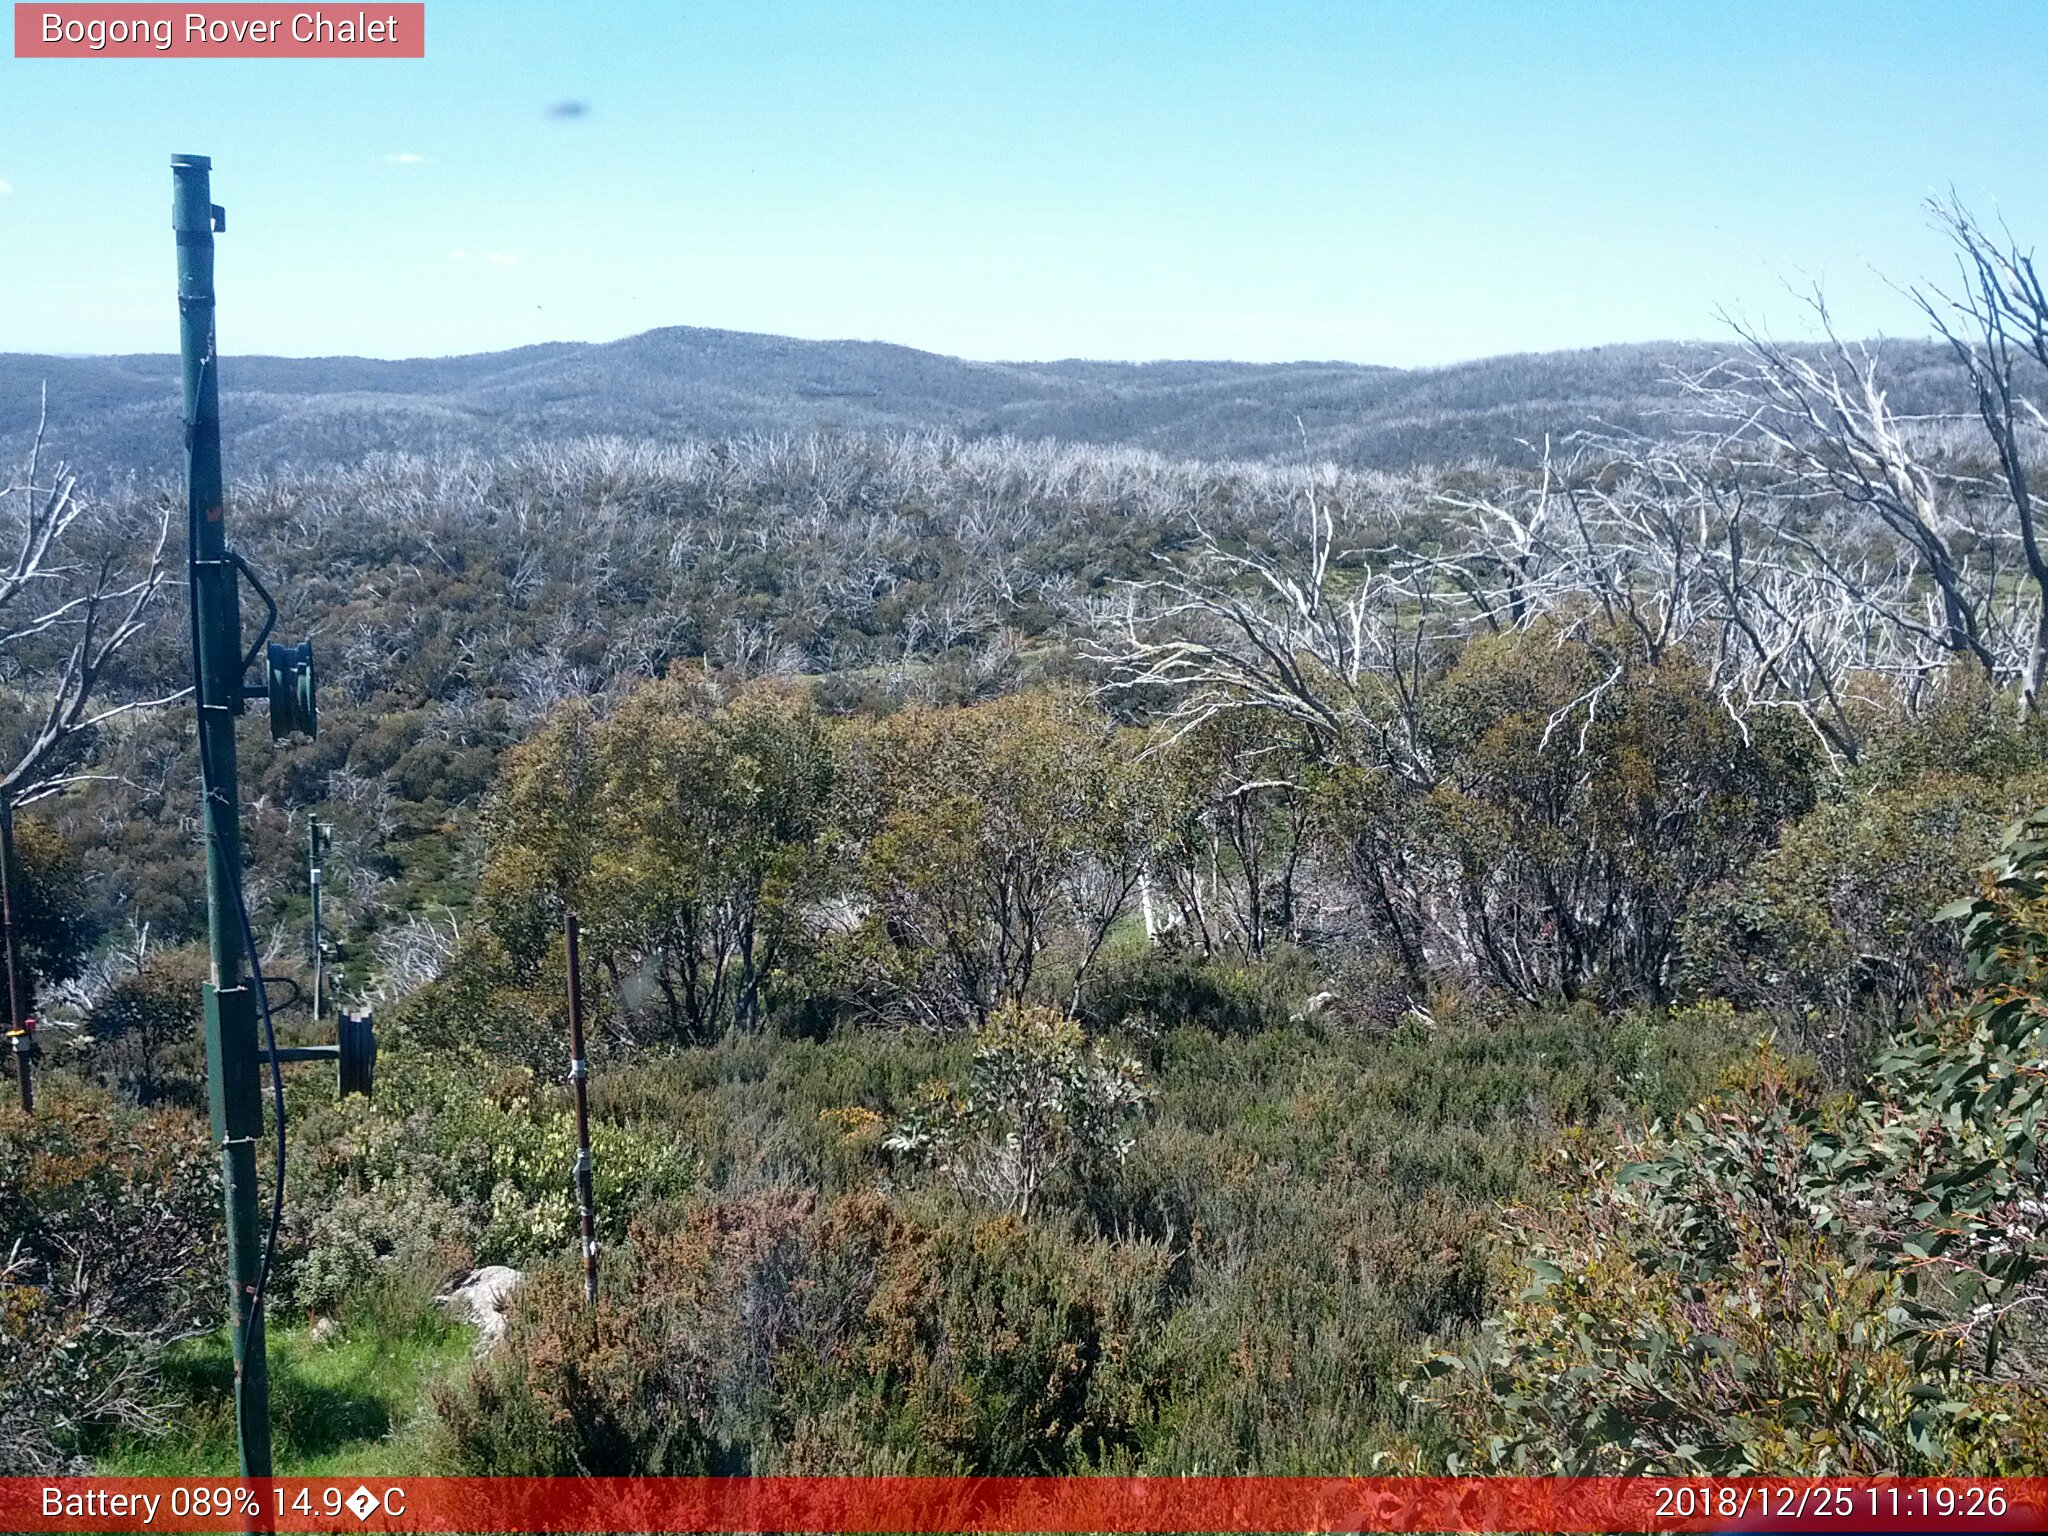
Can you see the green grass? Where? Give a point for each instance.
(354, 1404)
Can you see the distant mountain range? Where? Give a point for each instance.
(114, 415)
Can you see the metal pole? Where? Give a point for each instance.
(233, 1064)
(17, 1035)
(319, 955)
(579, 1082)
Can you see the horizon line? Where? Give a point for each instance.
(993, 362)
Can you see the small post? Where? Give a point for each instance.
(314, 838)
(579, 1081)
(20, 1034)
(23, 1038)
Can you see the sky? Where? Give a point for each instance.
(1397, 183)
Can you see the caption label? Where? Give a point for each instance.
(236, 31)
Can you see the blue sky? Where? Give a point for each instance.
(1392, 182)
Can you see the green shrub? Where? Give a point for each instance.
(486, 1002)
(1833, 932)
(347, 1242)
(1040, 1104)
(773, 1334)
(1787, 1283)
(1232, 836)
(145, 1029)
(482, 1154)
(1153, 988)
(999, 845)
(1579, 789)
(1966, 727)
(109, 1252)
(691, 831)
(55, 928)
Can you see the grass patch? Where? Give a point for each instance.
(355, 1403)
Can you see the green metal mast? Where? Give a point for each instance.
(233, 1058)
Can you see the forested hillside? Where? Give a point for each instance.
(118, 414)
(1237, 961)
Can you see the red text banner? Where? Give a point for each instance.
(1052, 1504)
(235, 31)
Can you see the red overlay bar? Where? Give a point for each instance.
(372, 30)
(1050, 1504)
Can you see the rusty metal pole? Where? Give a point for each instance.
(579, 1087)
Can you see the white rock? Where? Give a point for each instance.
(481, 1299)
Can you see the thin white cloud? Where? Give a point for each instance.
(6, 187)
(407, 157)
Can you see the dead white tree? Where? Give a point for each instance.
(77, 591)
(1996, 324)
(1787, 607)
(1321, 636)
(1817, 425)
(1512, 566)
(408, 956)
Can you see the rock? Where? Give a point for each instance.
(481, 1299)
(1316, 1005)
(323, 1329)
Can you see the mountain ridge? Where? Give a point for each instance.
(117, 414)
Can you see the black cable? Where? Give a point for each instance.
(210, 792)
(296, 1000)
